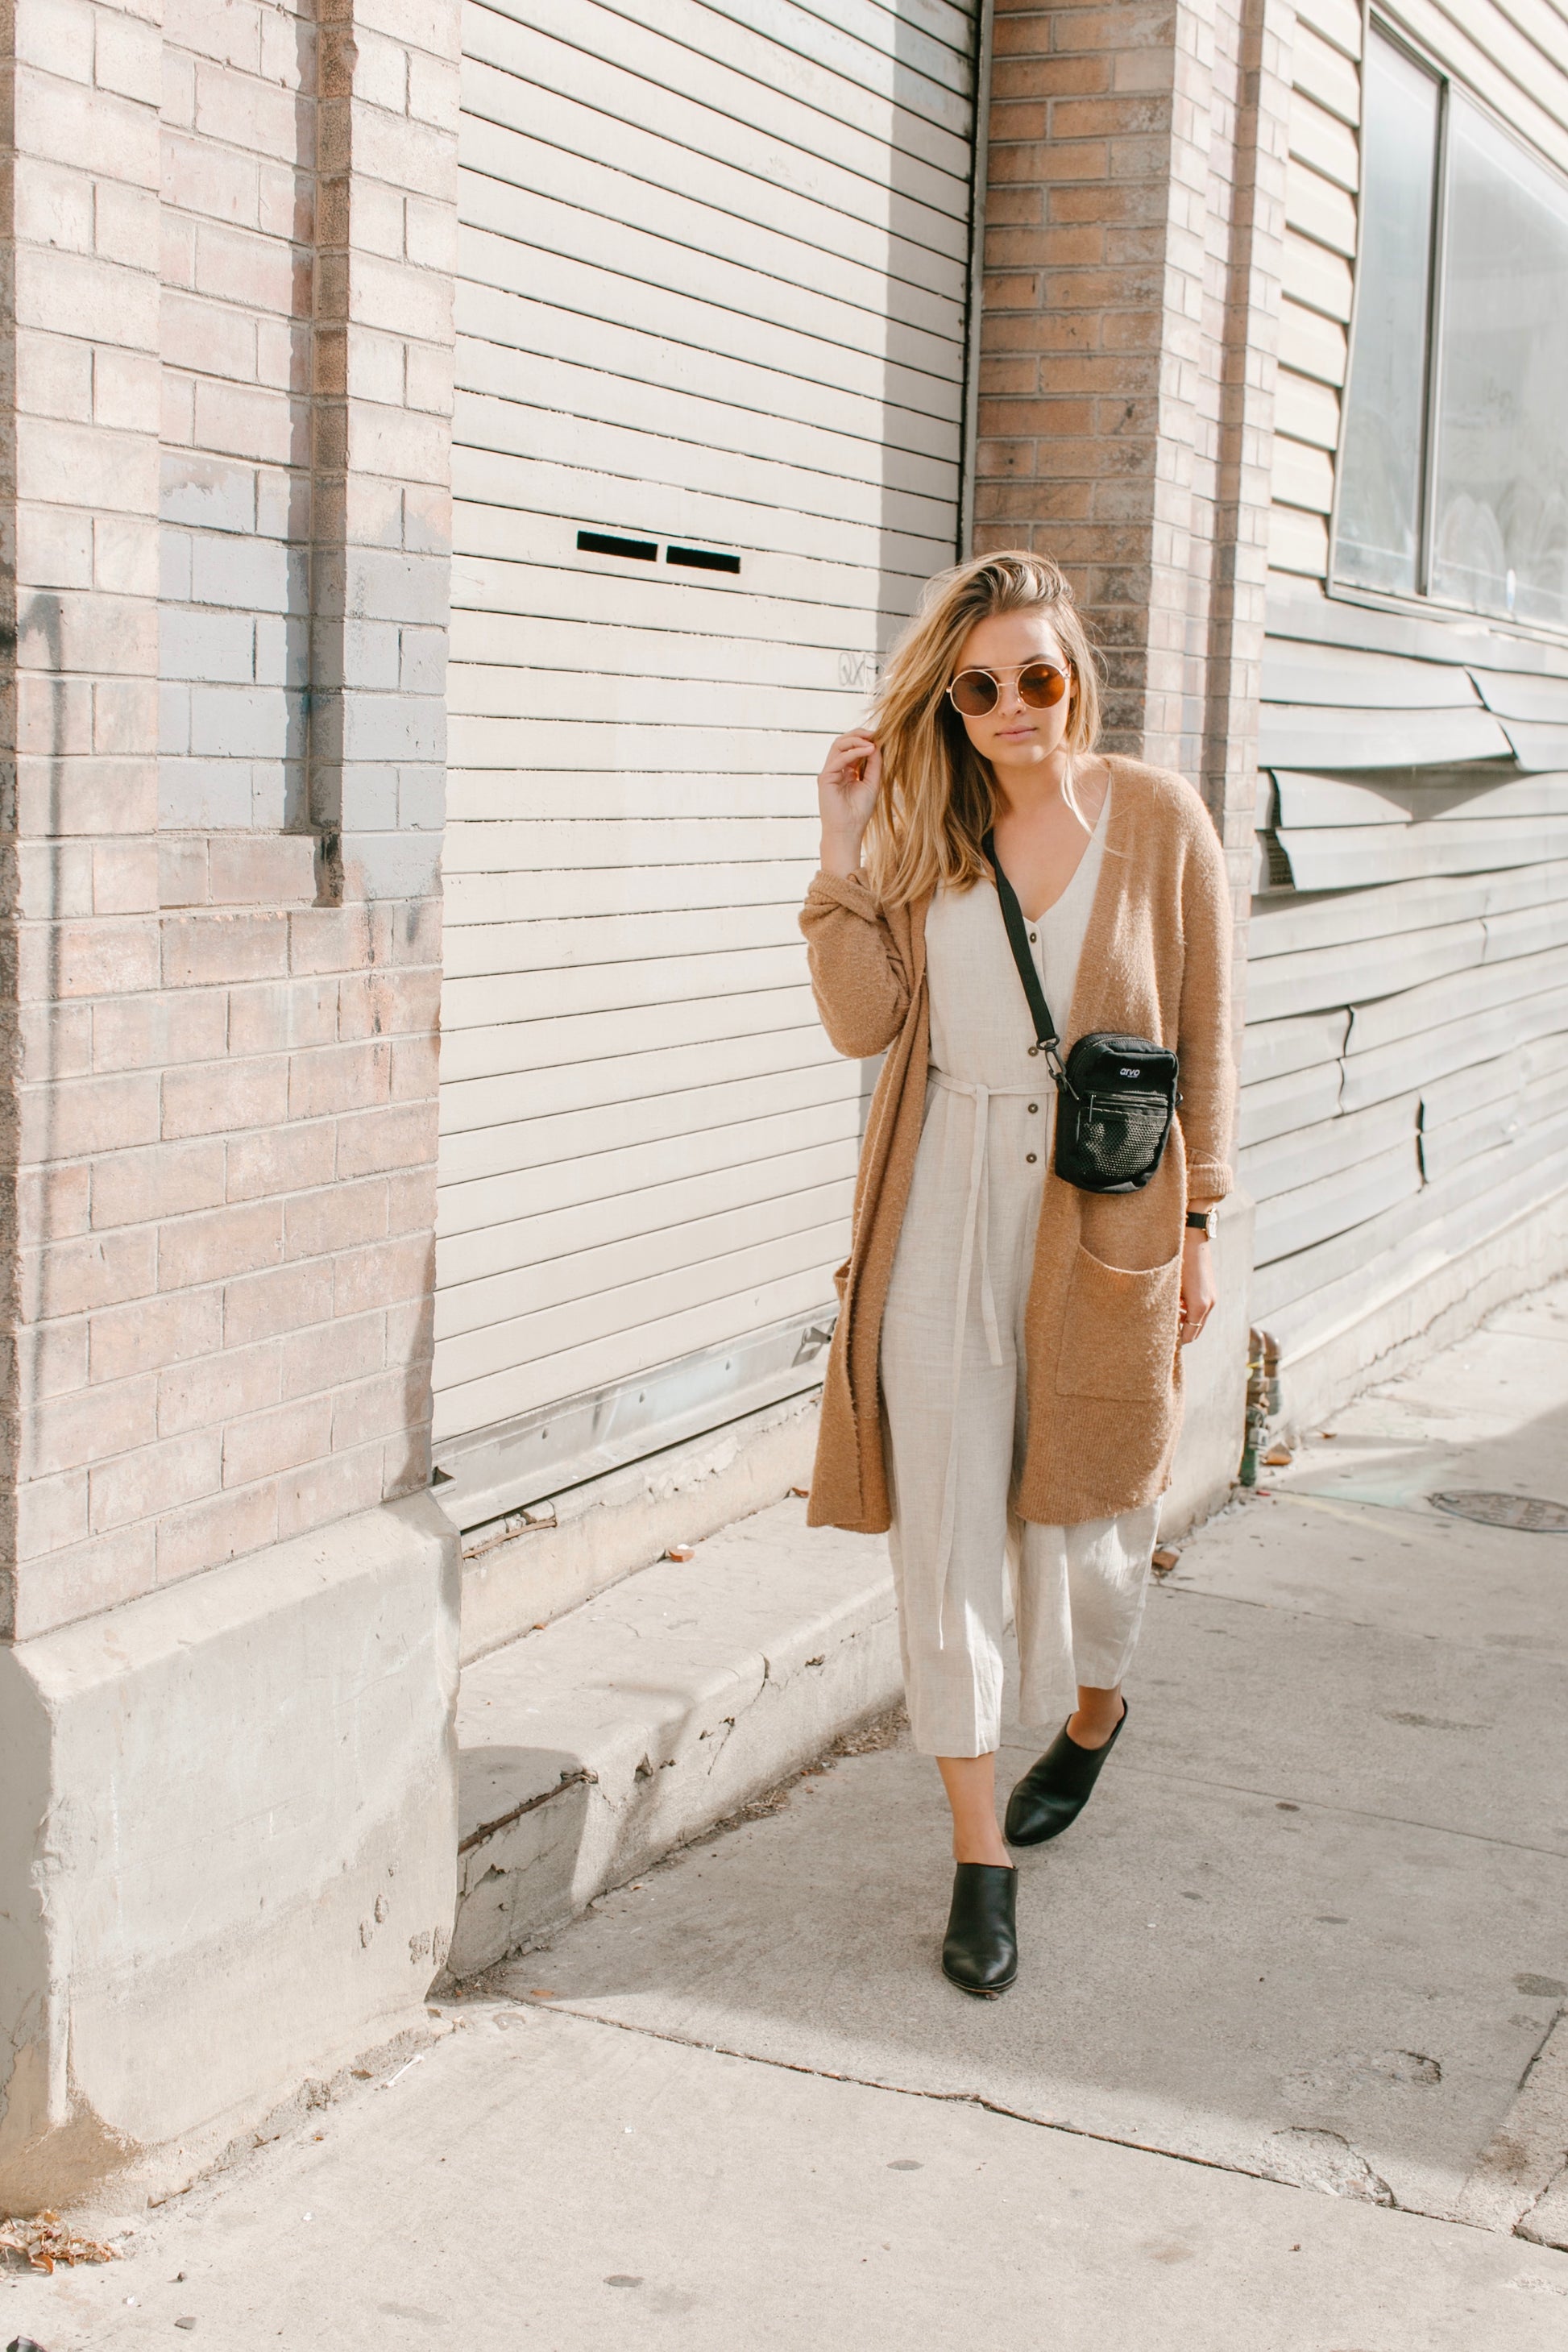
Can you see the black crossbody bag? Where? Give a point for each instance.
(1115, 1096)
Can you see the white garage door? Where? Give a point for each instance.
(712, 304)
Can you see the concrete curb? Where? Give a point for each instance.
(640, 1719)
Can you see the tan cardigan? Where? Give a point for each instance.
(1101, 1325)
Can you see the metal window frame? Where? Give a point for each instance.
(1379, 17)
(1436, 306)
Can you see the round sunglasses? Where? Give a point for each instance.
(1041, 684)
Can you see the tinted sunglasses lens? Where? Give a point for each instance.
(974, 692)
(1041, 687)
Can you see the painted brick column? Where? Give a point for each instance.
(81, 807)
(228, 1608)
(1127, 336)
(221, 1263)
(1247, 263)
(1133, 226)
(382, 534)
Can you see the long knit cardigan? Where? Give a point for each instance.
(1104, 1368)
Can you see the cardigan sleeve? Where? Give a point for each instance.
(1204, 1039)
(858, 976)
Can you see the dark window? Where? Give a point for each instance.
(702, 559)
(603, 543)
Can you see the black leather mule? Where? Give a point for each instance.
(1053, 1793)
(980, 1954)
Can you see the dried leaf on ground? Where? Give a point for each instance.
(45, 2239)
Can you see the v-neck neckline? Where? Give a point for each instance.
(1101, 823)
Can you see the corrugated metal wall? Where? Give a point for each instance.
(1406, 1076)
(712, 305)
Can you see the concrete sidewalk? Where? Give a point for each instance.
(1285, 2070)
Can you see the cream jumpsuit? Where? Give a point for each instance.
(952, 1356)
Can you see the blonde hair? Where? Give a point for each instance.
(937, 799)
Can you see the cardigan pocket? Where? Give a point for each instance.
(1120, 1331)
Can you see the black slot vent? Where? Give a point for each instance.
(603, 543)
(702, 559)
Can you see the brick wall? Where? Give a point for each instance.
(1135, 219)
(223, 1091)
(237, 235)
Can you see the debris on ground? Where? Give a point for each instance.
(1278, 1457)
(45, 2239)
(883, 1731)
(1164, 1559)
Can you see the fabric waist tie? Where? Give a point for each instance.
(976, 1225)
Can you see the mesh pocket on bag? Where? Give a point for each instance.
(1118, 1137)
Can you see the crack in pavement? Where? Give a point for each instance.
(901, 2089)
(993, 2106)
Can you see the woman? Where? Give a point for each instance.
(1005, 1374)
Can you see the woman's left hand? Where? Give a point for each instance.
(1200, 1292)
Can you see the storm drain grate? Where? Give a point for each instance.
(1530, 1512)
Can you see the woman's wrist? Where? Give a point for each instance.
(840, 855)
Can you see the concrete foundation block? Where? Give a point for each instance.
(227, 1828)
(637, 1721)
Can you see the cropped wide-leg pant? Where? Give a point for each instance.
(955, 1420)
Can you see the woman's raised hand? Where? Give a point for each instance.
(846, 791)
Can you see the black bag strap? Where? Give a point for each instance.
(1047, 1037)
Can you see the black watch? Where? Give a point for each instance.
(1202, 1220)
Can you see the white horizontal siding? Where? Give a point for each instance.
(1327, 859)
(712, 273)
(1324, 176)
(674, 1203)
(1405, 1064)
(1519, 72)
(1306, 1295)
